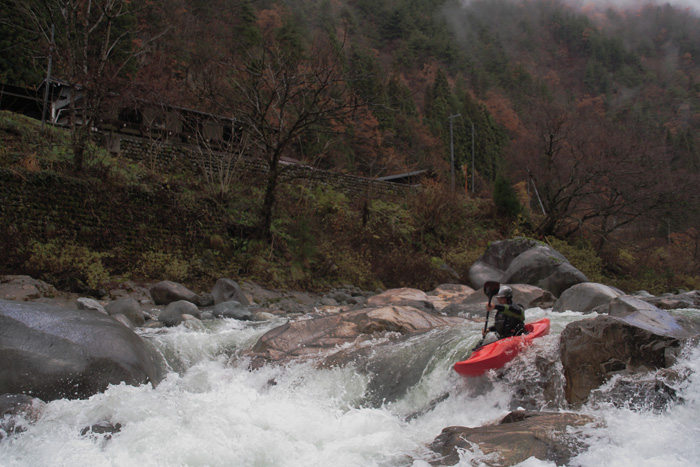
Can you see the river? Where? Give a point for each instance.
(212, 411)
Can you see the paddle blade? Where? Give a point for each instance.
(491, 288)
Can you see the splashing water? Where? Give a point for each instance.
(209, 412)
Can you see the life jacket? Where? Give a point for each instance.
(510, 321)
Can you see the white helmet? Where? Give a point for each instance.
(505, 292)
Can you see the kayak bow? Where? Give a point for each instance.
(497, 354)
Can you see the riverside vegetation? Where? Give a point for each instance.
(320, 238)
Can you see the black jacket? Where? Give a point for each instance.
(510, 320)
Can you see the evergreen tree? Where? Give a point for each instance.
(505, 198)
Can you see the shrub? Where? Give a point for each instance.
(64, 264)
(582, 256)
(505, 198)
(161, 265)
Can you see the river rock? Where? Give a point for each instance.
(637, 340)
(447, 294)
(128, 307)
(16, 410)
(520, 435)
(317, 336)
(24, 288)
(527, 295)
(166, 292)
(586, 297)
(53, 353)
(84, 303)
(496, 259)
(525, 261)
(544, 267)
(675, 301)
(226, 290)
(173, 314)
(403, 296)
(232, 309)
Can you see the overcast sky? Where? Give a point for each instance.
(692, 4)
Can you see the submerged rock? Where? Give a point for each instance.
(318, 335)
(548, 436)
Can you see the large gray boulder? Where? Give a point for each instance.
(475, 304)
(128, 307)
(525, 261)
(321, 335)
(226, 290)
(173, 314)
(166, 292)
(586, 297)
(232, 309)
(547, 436)
(52, 353)
(496, 259)
(544, 267)
(640, 338)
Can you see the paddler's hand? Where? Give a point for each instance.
(490, 306)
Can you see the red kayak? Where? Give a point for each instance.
(497, 354)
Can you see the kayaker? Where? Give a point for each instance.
(510, 317)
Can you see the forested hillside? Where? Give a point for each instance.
(589, 116)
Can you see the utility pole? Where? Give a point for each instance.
(473, 164)
(48, 80)
(452, 153)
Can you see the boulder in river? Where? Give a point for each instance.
(548, 436)
(52, 352)
(586, 297)
(322, 334)
(640, 338)
(525, 261)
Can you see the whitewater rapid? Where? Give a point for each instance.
(212, 411)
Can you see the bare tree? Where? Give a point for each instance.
(282, 95)
(220, 148)
(592, 175)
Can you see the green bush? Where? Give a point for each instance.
(64, 264)
(505, 198)
(582, 256)
(162, 266)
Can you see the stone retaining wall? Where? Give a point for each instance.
(172, 156)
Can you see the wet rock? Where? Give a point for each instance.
(594, 350)
(129, 308)
(318, 335)
(403, 296)
(586, 297)
(232, 309)
(166, 292)
(543, 267)
(226, 290)
(173, 315)
(104, 428)
(16, 410)
(515, 438)
(528, 295)
(52, 352)
(447, 294)
(84, 303)
(496, 259)
(654, 392)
